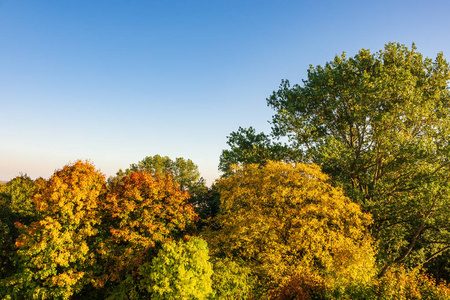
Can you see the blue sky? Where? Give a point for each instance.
(114, 81)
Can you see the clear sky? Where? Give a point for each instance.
(114, 81)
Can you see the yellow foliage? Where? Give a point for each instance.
(398, 284)
(54, 250)
(285, 219)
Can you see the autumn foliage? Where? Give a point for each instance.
(283, 232)
(300, 287)
(352, 203)
(398, 283)
(141, 212)
(55, 253)
(285, 219)
(91, 234)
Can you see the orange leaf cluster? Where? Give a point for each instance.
(141, 211)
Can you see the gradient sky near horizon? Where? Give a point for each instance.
(115, 81)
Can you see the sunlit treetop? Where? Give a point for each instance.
(283, 218)
(142, 211)
(55, 255)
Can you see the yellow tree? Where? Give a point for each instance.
(55, 257)
(287, 219)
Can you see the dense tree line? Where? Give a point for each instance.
(353, 205)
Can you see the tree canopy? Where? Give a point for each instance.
(356, 185)
(55, 253)
(284, 218)
(180, 271)
(140, 213)
(249, 147)
(15, 206)
(89, 235)
(183, 171)
(379, 124)
(15, 196)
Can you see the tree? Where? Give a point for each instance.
(140, 213)
(15, 195)
(15, 206)
(184, 172)
(232, 280)
(181, 270)
(55, 252)
(206, 205)
(401, 284)
(379, 124)
(284, 219)
(248, 147)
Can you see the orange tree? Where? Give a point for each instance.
(286, 219)
(140, 213)
(185, 173)
(54, 253)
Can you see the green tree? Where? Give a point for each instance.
(15, 206)
(15, 195)
(249, 147)
(184, 172)
(379, 124)
(181, 270)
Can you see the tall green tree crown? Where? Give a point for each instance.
(379, 124)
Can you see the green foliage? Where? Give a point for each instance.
(184, 172)
(15, 206)
(127, 289)
(207, 205)
(379, 124)
(439, 267)
(180, 271)
(248, 147)
(8, 235)
(232, 280)
(15, 196)
(86, 236)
